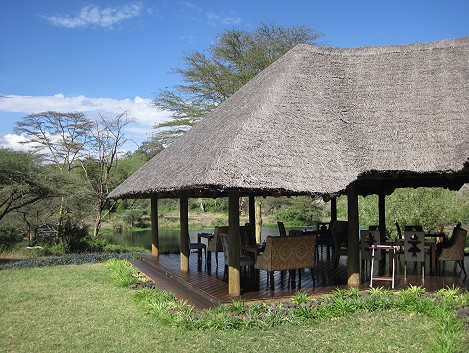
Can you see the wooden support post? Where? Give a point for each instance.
(252, 211)
(258, 226)
(234, 275)
(184, 237)
(382, 214)
(334, 209)
(155, 247)
(353, 261)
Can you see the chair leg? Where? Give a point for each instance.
(216, 257)
(312, 276)
(271, 275)
(461, 264)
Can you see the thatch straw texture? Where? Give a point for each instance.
(320, 117)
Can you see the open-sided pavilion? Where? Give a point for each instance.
(322, 121)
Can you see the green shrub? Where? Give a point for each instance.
(8, 238)
(123, 274)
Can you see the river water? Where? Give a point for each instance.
(168, 239)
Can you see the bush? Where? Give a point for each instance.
(123, 274)
(8, 238)
(73, 237)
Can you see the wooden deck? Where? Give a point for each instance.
(203, 286)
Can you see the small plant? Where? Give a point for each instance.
(300, 297)
(236, 306)
(123, 274)
(451, 296)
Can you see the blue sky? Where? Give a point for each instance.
(109, 56)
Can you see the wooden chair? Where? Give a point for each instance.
(455, 251)
(247, 235)
(414, 249)
(413, 228)
(339, 233)
(281, 229)
(324, 237)
(244, 260)
(198, 246)
(367, 239)
(287, 253)
(214, 244)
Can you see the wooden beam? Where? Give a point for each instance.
(382, 214)
(258, 207)
(234, 275)
(184, 236)
(353, 261)
(334, 209)
(155, 247)
(252, 210)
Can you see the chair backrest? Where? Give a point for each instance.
(247, 235)
(455, 252)
(323, 230)
(224, 242)
(290, 253)
(281, 229)
(339, 233)
(368, 238)
(453, 238)
(215, 243)
(413, 228)
(399, 232)
(414, 246)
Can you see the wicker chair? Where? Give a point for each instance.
(287, 253)
(455, 251)
(214, 244)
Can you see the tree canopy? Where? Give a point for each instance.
(211, 77)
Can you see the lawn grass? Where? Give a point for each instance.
(78, 309)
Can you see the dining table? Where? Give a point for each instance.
(430, 243)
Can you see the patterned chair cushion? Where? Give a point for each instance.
(288, 253)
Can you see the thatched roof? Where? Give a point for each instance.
(320, 118)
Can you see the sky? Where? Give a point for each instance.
(106, 57)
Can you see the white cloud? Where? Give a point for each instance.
(225, 20)
(13, 141)
(211, 17)
(96, 16)
(139, 110)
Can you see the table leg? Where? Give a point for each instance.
(433, 263)
(199, 251)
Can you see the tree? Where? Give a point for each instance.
(61, 137)
(23, 180)
(107, 138)
(71, 140)
(235, 58)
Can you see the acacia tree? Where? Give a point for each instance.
(107, 138)
(61, 138)
(23, 181)
(71, 140)
(234, 59)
